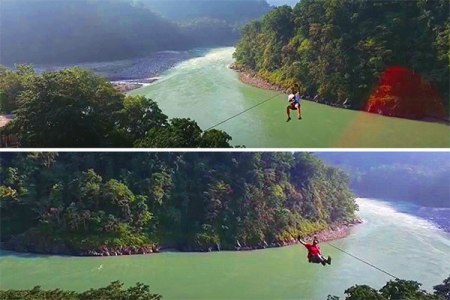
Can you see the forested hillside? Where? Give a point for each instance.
(422, 178)
(387, 57)
(80, 203)
(48, 31)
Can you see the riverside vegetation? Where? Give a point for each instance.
(127, 203)
(387, 57)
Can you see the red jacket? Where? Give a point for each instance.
(313, 250)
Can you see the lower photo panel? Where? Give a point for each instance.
(224, 225)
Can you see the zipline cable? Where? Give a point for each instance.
(240, 113)
(244, 111)
(361, 260)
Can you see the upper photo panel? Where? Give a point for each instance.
(224, 73)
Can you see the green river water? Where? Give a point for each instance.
(207, 91)
(402, 244)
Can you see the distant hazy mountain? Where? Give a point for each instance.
(209, 22)
(423, 178)
(57, 31)
(232, 11)
(41, 31)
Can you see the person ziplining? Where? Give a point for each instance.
(314, 254)
(294, 103)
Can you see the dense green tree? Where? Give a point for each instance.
(214, 138)
(139, 115)
(114, 290)
(404, 289)
(184, 133)
(394, 289)
(76, 108)
(443, 290)
(359, 292)
(11, 85)
(70, 107)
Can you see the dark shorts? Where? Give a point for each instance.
(314, 259)
(294, 105)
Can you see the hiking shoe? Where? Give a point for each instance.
(329, 260)
(288, 119)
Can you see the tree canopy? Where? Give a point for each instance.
(114, 290)
(394, 289)
(397, 289)
(77, 203)
(76, 108)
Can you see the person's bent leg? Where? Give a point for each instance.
(322, 259)
(288, 112)
(316, 259)
(299, 112)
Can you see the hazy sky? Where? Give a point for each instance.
(283, 2)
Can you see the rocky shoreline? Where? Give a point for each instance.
(129, 85)
(129, 74)
(252, 78)
(336, 231)
(131, 250)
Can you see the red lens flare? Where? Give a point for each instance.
(401, 92)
